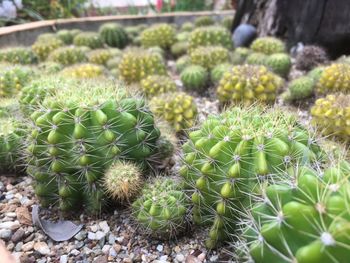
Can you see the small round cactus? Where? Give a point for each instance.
(316, 73)
(50, 67)
(18, 55)
(42, 49)
(210, 36)
(256, 59)
(300, 88)
(68, 55)
(114, 35)
(88, 39)
(204, 21)
(100, 56)
(279, 63)
(46, 37)
(162, 35)
(248, 83)
(227, 22)
(67, 36)
(182, 36)
(161, 209)
(239, 55)
(194, 77)
(311, 57)
(218, 71)
(182, 63)
(209, 57)
(82, 71)
(268, 45)
(179, 48)
(334, 78)
(13, 78)
(187, 27)
(157, 84)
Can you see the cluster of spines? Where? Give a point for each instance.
(334, 78)
(157, 84)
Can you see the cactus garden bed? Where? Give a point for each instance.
(170, 144)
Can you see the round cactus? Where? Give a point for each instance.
(210, 36)
(231, 155)
(113, 62)
(179, 109)
(182, 63)
(138, 64)
(332, 115)
(157, 50)
(114, 35)
(268, 45)
(182, 36)
(227, 22)
(209, 57)
(256, 59)
(50, 67)
(12, 79)
(8, 107)
(42, 49)
(101, 56)
(17, 55)
(88, 39)
(334, 78)
(302, 221)
(161, 209)
(179, 48)
(300, 88)
(204, 21)
(310, 57)
(68, 55)
(86, 70)
(156, 84)
(187, 27)
(247, 84)
(162, 35)
(218, 71)
(239, 55)
(46, 37)
(279, 63)
(316, 73)
(194, 77)
(123, 181)
(67, 36)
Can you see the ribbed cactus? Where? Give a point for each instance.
(210, 36)
(334, 78)
(179, 48)
(77, 133)
(194, 77)
(137, 64)
(157, 84)
(161, 209)
(268, 45)
(68, 55)
(88, 39)
(17, 55)
(67, 36)
(304, 221)
(182, 63)
(248, 83)
(231, 155)
(332, 115)
(162, 35)
(256, 58)
(101, 56)
(13, 78)
(310, 57)
(204, 21)
(239, 55)
(179, 109)
(218, 71)
(299, 89)
(209, 57)
(85, 70)
(42, 49)
(279, 63)
(114, 35)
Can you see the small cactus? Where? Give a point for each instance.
(204, 21)
(101, 56)
(162, 35)
(12, 79)
(334, 78)
(239, 55)
(68, 55)
(18, 55)
(50, 67)
(209, 57)
(279, 63)
(85, 70)
(179, 48)
(157, 84)
(268, 45)
(187, 27)
(256, 59)
(42, 49)
(182, 63)
(194, 77)
(311, 57)
(227, 22)
(210, 36)
(67, 36)
(88, 39)
(218, 71)
(299, 89)
(114, 35)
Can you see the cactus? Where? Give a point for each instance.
(42, 49)
(114, 35)
(85, 70)
(302, 221)
(209, 57)
(123, 181)
(46, 37)
(227, 22)
(182, 36)
(316, 73)
(218, 71)
(50, 67)
(299, 89)
(138, 64)
(334, 78)
(178, 108)
(67, 36)
(88, 39)
(8, 107)
(113, 62)
(157, 50)
(311, 57)
(77, 133)
(231, 155)
(179, 48)
(279, 63)
(162, 35)
(101, 56)
(332, 115)
(256, 59)
(68, 55)
(187, 27)
(239, 55)
(204, 21)
(17, 55)
(182, 63)
(268, 45)
(161, 209)
(210, 36)
(194, 77)
(247, 84)
(156, 84)
(12, 79)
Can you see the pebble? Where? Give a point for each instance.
(18, 246)
(105, 249)
(94, 228)
(214, 258)
(5, 234)
(160, 248)
(100, 235)
(28, 246)
(75, 252)
(100, 259)
(81, 235)
(104, 227)
(180, 257)
(18, 235)
(63, 259)
(91, 236)
(42, 248)
(9, 196)
(10, 225)
(117, 248)
(25, 201)
(112, 252)
(111, 239)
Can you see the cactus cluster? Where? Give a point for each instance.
(68, 55)
(177, 108)
(231, 155)
(194, 77)
(161, 209)
(18, 55)
(268, 45)
(248, 83)
(157, 84)
(162, 35)
(88, 39)
(114, 35)
(42, 49)
(210, 36)
(334, 78)
(85, 70)
(209, 57)
(13, 78)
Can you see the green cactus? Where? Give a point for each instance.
(77, 133)
(210, 36)
(268, 45)
(42, 49)
(204, 21)
(299, 89)
(182, 36)
(83, 71)
(302, 221)
(8, 107)
(194, 77)
(67, 36)
(101, 56)
(50, 67)
(68, 55)
(334, 78)
(279, 63)
(179, 48)
(161, 209)
(46, 37)
(187, 27)
(138, 64)
(177, 108)
(256, 59)
(18, 55)
(157, 84)
(248, 83)
(113, 63)
(218, 71)
(13, 78)
(209, 57)
(88, 39)
(114, 35)
(316, 73)
(162, 35)
(232, 155)
(182, 63)
(239, 55)
(157, 50)
(227, 22)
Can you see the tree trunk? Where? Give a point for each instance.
(322, 22)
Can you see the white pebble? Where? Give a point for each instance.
(63, 259)
(104, 226)
(160, 248)
(10, 225)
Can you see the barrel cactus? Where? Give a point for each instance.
(256, 58)
(209, 57)
(85, 70)
(299, 89)
(334, 78)
(194, 77)
(67, 36)
(204, 21)
(161, 209)
(231, 155)
(210, 36)
(227, 22)
(279, 63)
(99, 56)
(182, 63)
(88, 39)
(68, 55)
(248, 83)
(157, 84)
(49, 67)
(187, 27)
(179, 48)
(268, 45)
(239, 55)
(42, 49)
(17, 55)
(13, 78)
(162, 35)
(218, 71)
(114, 35)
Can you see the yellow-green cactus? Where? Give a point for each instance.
(42, 49)
(210, 36)
(334, 78)
(88, 39)
(86, 70)
(18, 55)
(209, 57)
(68, 55)
(101, 56)
(268, 45)
(162, 35)
(157, 84)
(12, 79)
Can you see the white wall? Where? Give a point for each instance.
(121, 3)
